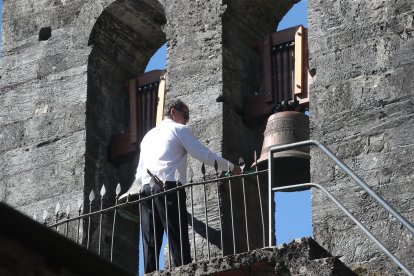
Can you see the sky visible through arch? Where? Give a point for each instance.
(293, 210)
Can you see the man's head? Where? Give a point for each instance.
(177, 111)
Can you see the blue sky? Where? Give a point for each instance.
(293, 211)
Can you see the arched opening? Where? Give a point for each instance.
(246, 26)
(123, 39)
(293, 209)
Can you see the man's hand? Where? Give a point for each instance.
(236, 170)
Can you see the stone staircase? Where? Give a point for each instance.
(300, 257)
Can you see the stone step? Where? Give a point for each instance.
(300, 257)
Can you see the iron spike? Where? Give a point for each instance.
(241, 164)
(190, 174)
(57, 208)
(91, 196)
(203, 169)
(44, 217)
(177, 176)
(118, 189)
(103, 191)
(216, 166)
(79, 205)
(67, 210)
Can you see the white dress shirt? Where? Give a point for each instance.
(164, 151)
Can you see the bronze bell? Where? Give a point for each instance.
(290, 166)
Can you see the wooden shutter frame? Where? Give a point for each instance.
(125, 145)
(261, 105)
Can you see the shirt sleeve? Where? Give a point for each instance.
(200, 152)
(139, 173)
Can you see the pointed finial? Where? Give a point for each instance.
(203, 171)
(103, 191)
(216, 168)
(79, 205)
(190, 174)
(177, 176)
(44, 217)
(57, 208)
(67, 210)
(241, 164)
(118, 189)
(91, 196)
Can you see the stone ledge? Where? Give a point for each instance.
(300, 257)
(28, 247)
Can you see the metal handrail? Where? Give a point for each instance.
(349, 172)
(357, 222)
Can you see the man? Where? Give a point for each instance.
(164, 152)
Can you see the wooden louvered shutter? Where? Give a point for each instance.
(285, 68)
(147, 98)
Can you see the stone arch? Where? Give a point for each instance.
(122, 41)
(245, 25)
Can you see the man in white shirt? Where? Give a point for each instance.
(163, 152)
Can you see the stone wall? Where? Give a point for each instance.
(29, 248)
(62, 99)
(43, 103)
(362, 97)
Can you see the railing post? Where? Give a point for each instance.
(270, 198)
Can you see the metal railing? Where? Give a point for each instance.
(83, 223)
(356, 178)
(238, 222)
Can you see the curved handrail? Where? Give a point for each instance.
(346, 169)
(357, 222)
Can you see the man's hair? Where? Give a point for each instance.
(174, 103)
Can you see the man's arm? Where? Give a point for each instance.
(200, 152)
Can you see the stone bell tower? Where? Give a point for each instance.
(63, 65)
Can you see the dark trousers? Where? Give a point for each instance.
(156, 219)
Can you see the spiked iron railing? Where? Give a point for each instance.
(63, 221)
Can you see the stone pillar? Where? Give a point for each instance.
(43, 101)
(212, 65)
(361, 55)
